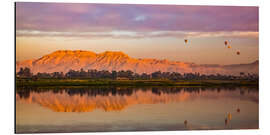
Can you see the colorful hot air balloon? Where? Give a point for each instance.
(229, 46)
(238, 53)
(185, 41)
(226, 42)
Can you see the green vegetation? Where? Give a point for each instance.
(129, 78)
(20, 82)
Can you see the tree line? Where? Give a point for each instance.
(129, 75)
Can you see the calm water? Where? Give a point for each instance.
(135, 109)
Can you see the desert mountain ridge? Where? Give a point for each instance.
(64, 60)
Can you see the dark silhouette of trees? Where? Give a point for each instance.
(58, 75)
(104, 74)
(43, 75)
(114, 74)
(24, 72)
(157, 75)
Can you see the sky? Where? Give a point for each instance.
(140, 31)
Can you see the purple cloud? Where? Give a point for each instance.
(61, 17)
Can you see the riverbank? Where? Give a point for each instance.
(108, 82)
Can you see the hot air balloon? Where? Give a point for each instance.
(238, 53)
(225, 42)
(238, 110)
(229, 46)
(186, 41)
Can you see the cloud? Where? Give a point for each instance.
(140, 18)
(124, 17)
(137, 35)
(240, 34)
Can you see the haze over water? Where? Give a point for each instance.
(135, 109)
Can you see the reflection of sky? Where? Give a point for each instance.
(156, 29)
(144, 110)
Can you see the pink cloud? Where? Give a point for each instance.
(73, 17)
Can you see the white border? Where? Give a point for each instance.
(7, 62)
(166, 2)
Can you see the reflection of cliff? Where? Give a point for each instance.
(64, 102)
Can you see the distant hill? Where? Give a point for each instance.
(64, 60)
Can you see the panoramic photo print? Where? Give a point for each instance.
(85, 67)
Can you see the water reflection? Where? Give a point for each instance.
(88, 99)
(86, 109)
